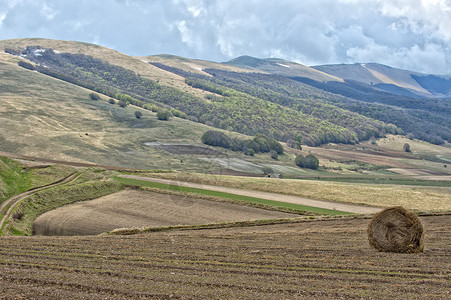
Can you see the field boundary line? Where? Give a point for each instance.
(328, 205)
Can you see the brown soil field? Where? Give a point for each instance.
(417, 172)
(188, 149)
(313, 260)
(133, 208)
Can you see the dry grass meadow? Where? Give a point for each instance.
(139, 65)
(411, 197)
(53, 119)
(313, 260)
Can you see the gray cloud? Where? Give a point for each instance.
(411, 34)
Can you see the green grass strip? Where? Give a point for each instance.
(173, 187)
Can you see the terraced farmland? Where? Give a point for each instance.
(318, 259)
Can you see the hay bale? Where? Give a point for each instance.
(396, 229)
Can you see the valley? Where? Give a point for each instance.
(167, 177)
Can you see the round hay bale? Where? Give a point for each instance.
(396, 229)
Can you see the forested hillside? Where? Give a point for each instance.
(232, 109)
(255, 103)
(427, 119)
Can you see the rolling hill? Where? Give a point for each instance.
(387, 78)
(46, 104)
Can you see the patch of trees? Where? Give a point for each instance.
(164, 115)
(258, 144)
(285, 92)
(13, 51)
(26, 65)
(309, 161)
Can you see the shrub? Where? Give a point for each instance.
(298, 140)
(112, 101)
(138, 114)
(164, 115)
(267, 170)
(262, 143)
(300, 161)
(274, 154)
(12, 51)
(310, 161)
(276, 146)
(298, 146)
(250, 152)
(178, 114)
(291, 143)
(406, 147)
(94, 96)
(193, 118)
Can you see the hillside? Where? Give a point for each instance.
(52, 115)
(51, 118)
(226, 112)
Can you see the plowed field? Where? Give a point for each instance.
(132, 208)
(313, 260)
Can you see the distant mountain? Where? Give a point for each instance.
(393, 80)
(281, 67)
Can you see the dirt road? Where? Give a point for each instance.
(352, 208)
(12, 202)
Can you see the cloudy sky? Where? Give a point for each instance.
(409, 34)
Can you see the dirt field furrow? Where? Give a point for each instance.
(318, 259)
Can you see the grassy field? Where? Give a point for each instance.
(16, 178)
(12, 180)
(239, 198)
(321, 260)
(417, 147)
(411, 197)
(134, 208)
(390, 180)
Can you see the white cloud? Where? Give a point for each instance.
(48, 11)
(187, 35)
(412, 34)
(2, 18)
